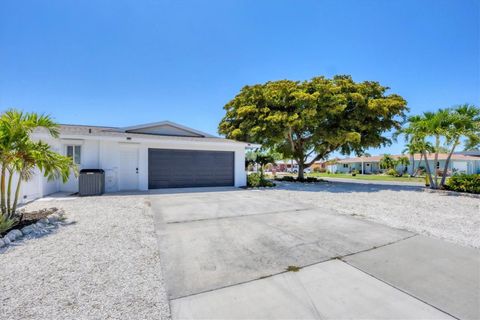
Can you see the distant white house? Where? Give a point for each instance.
(148, 156)
(460, 163)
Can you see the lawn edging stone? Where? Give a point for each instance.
(37, 229)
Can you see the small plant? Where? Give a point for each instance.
(354, 172)
(464, 183)
(6, 223)
(293, 268)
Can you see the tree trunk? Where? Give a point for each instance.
(437, 145)
(429, 173)
(9, 190)
(17, 193)
(2, 191)
(419, 164)
(412, 158)
(444, 175)
(301, 166)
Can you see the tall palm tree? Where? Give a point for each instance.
(20, 155)
(464, 123)
(437, 125)
(417, 131)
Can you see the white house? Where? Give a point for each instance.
(143, 157)
(459, 163)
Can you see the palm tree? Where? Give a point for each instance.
(417, 130)
(387, 162)
(437, 125)
(417, 147)
(412, 149)
(20, 155)
(404, 162)
(464, 123)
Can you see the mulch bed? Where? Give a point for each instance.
(29, 218)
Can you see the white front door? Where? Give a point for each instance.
(128, 173)
(368, 168)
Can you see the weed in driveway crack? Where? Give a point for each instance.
(293, 268)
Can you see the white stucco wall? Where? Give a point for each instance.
(104, 153)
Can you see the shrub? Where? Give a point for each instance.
(287, 178)
(319, 170)
(354, 172)
(392, 172)
(464, 183)
(293, 179)
(254, 180)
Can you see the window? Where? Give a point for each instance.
(75, 152)
(345, 165)
(438, 164)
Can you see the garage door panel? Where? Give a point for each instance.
(169, 168)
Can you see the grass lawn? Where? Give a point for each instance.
(377, 177)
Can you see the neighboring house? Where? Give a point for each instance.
(142, 157)
(284, 165)
(458, 163)
(324, 164)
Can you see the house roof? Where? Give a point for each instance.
(166, 123)
(441, 156)
(84, 130)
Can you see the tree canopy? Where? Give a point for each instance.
(307, 120)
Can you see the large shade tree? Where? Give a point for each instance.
(308, 120)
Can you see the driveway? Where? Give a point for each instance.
(225, 254)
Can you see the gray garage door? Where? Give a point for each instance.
(169, 168)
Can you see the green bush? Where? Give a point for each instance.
(392, 172)
(319, 170)
(354, 172)
(254, 180)
(464, 183)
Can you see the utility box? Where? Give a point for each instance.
(91, 182)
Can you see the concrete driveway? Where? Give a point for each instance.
(226, 252)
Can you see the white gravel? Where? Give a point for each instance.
(105, 265)
(452, 218)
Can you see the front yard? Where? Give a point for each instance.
(103, 265)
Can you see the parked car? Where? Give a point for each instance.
(294, 169)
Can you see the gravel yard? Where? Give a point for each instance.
(453, 218)
(105, 265)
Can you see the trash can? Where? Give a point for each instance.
(91, 182)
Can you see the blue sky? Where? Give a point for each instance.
(125, 62)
